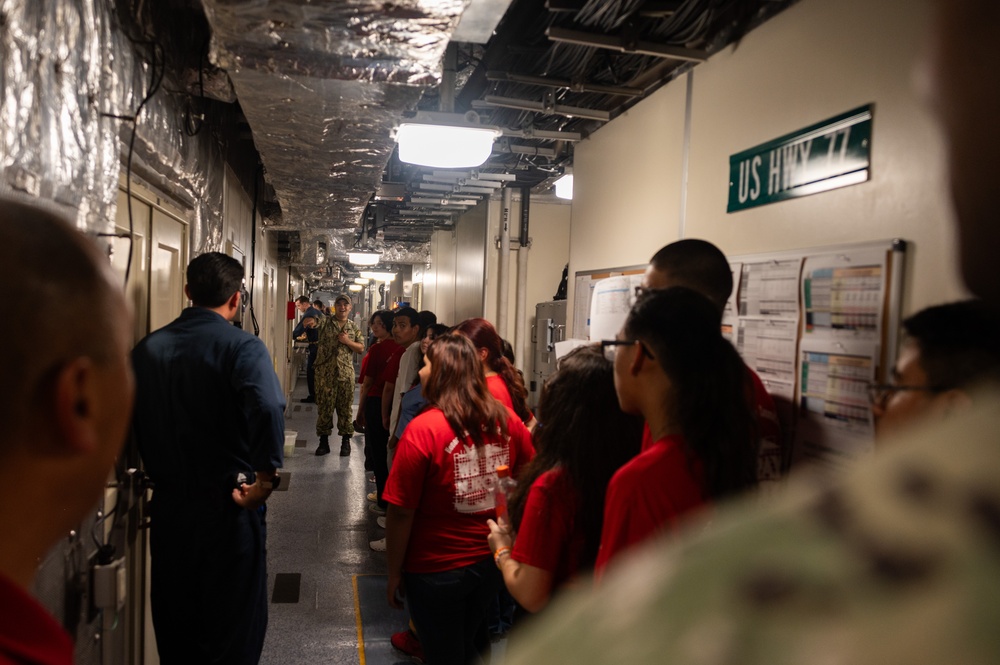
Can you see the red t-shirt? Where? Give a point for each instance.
(377, 359)
(769, 457)
(649, 494)
(364, 367)
(28, 633)
(549, 536)
(447, 482)
(391, 369)
(499, 390)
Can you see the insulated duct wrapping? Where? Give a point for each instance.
(338, 242)
(323, 85)
(58, 76)
(68, 67)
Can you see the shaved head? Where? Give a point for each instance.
(44, 259)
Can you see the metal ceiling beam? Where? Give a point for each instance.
(542, 134)
(575, 86)
(615, 43)
(493, 184)
(543, 107)
(457, 188)
(443, 202)
(506, 177)
(525, 150)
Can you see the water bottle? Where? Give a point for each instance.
(501, 491)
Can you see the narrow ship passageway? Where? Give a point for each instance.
(327, 587)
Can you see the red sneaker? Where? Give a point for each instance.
(409, 644)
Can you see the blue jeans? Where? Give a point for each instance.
(449, 611)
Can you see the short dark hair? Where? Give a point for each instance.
(213, 278)
(699, 265)
(318, 302)
(958, 343)
(409, 313)
(304, 299)
(426, 319)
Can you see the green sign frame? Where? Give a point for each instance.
(830, 154)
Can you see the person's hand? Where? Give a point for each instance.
(395, 592)
(253, 496)
(360, 420)
(499, 535)
(343, 338)
(301, 338)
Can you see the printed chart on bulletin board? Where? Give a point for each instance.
(816, 325)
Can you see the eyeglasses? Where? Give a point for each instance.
(610, 347)
(879, 393)
(637, 293)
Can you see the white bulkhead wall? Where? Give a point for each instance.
(817, 59)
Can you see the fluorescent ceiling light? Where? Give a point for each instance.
(354, 287)
(363, 281)
(360, 258)
(445, 140)
(564, 186)
(379, 276)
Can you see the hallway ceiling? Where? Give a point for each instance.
(323, 85)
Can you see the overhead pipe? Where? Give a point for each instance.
(521, 302)
(503, 269)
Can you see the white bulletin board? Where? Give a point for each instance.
(817, 325)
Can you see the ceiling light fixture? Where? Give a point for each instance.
(363, 281)
(379, 276)
(445, 140)
(354, 287)
(363, 258)
(564, 187)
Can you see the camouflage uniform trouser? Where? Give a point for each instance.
(334, 394)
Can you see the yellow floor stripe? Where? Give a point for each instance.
(357, 620)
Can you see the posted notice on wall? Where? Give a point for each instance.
(764, 315)
(611, 299)
(843, 298)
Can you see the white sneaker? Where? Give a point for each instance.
(377, 545)
(381, 522)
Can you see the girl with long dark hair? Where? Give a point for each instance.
(439, 496)
(674, 367)
(558, 507)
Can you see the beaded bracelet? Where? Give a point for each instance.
(500, 552)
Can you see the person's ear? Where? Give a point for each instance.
(187, 291)
(75, 402)
(234, 300)
(637, 360)
(483, 354)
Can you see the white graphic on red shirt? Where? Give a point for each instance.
(476, 475)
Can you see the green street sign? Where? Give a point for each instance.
(824, 156)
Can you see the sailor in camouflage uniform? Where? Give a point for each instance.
(339, 339)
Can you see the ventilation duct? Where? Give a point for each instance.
(323, 85)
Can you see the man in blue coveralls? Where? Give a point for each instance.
(311, 334)
(209, 422)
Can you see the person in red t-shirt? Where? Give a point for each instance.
(700, 265)
(370, 403)
(674, 367)
(439, 497)
(504, 380)
(558, 507)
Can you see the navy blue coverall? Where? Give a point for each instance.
(208, 407)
